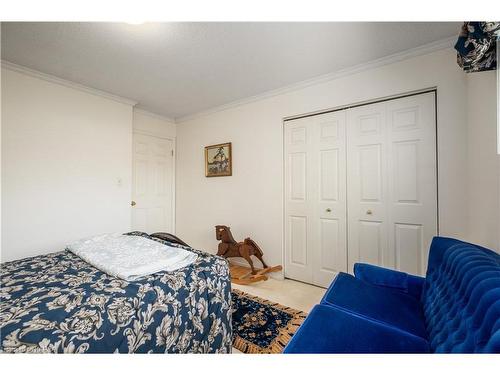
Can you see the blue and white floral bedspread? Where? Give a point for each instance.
(60, 303)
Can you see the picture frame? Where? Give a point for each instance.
(218, 160)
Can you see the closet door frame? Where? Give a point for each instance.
(346, 107)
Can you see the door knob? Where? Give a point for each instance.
(328, 210)
(133, 203)
(369, 212)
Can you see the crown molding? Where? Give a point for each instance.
(391, 59)
(154, 115)
(53, 79)
(400, 56)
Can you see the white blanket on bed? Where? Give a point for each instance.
(130, 257)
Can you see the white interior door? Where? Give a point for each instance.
(152, 184)
(392, 182)
(315, 198)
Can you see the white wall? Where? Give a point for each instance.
(251, 201)
(483, 161)
(66, 165)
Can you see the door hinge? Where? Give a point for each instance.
(172, 152)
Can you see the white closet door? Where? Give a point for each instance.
(367, 194)
(391, 178)
(299, 211)
(330, 219)
(412, 181)
(315, 198)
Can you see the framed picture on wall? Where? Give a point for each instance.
(218, 160)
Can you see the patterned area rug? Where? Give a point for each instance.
(261, 326)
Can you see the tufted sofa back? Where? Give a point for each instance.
(461, 298)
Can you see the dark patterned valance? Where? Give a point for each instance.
(476, 46)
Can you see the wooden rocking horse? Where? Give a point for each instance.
(230, 248)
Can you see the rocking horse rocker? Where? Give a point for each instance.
(229, 248)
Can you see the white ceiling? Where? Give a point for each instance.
(178, 69)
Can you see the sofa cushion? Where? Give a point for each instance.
(328, 329)
(388, 278)
(461, 298)
(375, 302)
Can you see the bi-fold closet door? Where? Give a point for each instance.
(315, 196)
(361, 186)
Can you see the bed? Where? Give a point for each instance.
(58, 303)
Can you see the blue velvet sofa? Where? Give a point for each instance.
(454, 309)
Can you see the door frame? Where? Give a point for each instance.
(174, 158)
(284, 120)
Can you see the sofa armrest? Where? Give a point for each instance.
(384, 277)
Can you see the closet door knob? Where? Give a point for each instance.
(369, 212)
(328, 210)
(133, 203)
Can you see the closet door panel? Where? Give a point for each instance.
(409, 248)
(366, 184)
(370, 241)
(369, 158)
(392, 183)
(315, 198)
(330, 252)
(329, 179)
(411, 142)
(405, 171)
(297, 161)
(298, 240)
(299, 214)
(330, 255)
